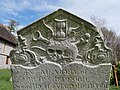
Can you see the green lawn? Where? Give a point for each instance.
(5, 84)
(114, 88)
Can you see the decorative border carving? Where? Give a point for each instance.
(62, 46)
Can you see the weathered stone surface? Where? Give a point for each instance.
(51, 76)
(62, 44)
(61, 52)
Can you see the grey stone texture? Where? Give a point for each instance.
(51, 76)
(61, 52)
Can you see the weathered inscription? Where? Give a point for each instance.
(48, 76)
(61, 52)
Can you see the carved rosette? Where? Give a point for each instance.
(100, 53)
(97, 56)
(22, 55)
(61, 44)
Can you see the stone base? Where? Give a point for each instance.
(51, 76)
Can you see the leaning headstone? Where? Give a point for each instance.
(60, 52)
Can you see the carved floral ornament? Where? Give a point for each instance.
(62, 47)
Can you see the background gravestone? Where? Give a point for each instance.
(60, 52)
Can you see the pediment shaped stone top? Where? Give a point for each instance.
(58, 13)
(58, 38)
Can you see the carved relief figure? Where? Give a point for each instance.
(62, 46)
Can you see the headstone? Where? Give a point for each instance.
(60, 52)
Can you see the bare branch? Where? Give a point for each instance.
(113, 41)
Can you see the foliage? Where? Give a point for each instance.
(13, 25)
(118, 73)
(112, 81)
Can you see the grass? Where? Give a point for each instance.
(114, 88)
(6, 84)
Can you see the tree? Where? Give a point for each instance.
(13, 25)
(113, 41)
(99, 22)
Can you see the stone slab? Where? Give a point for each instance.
(61, 52)
(51, 76)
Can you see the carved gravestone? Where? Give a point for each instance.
(60, 52)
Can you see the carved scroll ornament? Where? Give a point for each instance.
(62, 46)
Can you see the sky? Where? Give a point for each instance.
(28, 11)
